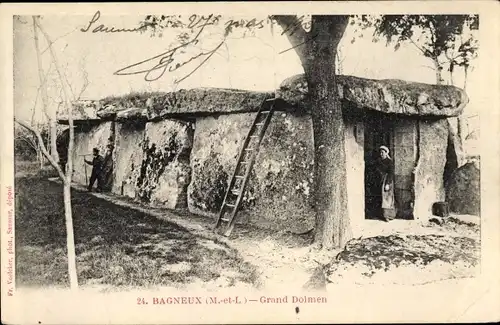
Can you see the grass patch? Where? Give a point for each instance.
(115, 245)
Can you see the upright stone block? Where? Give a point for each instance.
(280, 184)
(128, 157)
(429, 187)
(164, 173)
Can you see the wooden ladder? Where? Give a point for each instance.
(244, 164)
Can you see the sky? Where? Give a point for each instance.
(251, 62)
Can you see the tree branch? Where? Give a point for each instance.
(68, 104)
(41, 75)
(42, 147)
(428, 66)
(58, 38)
(39, 90)
(296, 34)
(28, 141)
(85, 84)
(424, 52)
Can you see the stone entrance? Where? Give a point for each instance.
(379, 131)
(399, 135)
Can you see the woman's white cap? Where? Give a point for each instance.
(384, 148)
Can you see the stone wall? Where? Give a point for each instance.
(429, 187)
(176, 164)
(87, 138)
(279, 187)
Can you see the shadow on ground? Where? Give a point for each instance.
(115, 245)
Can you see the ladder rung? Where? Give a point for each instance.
(240, 191)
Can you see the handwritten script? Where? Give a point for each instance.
(104, 29)
(156, 66)
(164, 62)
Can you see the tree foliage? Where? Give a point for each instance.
(448, 40)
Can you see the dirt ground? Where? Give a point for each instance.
(126, 237)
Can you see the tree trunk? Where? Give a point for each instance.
(70, 239)
(53, 138)
(439, 69)
(40, 156)
(70, 242)
(458, 121)
(462, 123)
(317, 50)
(466, 70)
(329, 157)
(338, 62)
(330, 194)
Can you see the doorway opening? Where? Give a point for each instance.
(379, 131)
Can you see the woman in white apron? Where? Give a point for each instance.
(385, 167)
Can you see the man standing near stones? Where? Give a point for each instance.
(97, 164)
(107, 169)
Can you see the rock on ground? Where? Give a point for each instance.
(406, 259)
(463, 190)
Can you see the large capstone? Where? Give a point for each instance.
(387, 96)
(205, 100)
(83, 110)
